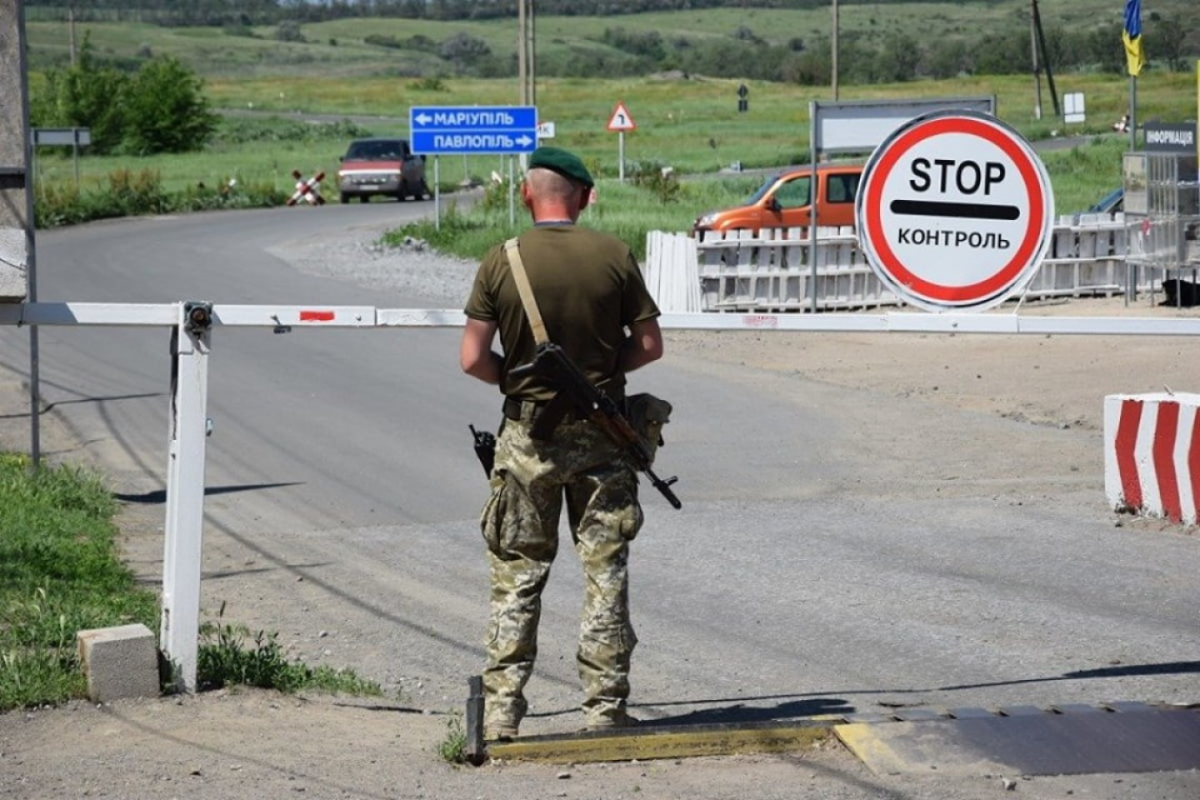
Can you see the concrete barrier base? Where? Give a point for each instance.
(119, 662)
(1152, 454)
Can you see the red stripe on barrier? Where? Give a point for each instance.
(1163, 450)
(1193, 462)
(1127, 429)
(316, 316)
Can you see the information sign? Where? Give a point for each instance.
(470, 130)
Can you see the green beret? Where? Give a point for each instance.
(563, 162)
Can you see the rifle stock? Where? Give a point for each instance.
(551, 362)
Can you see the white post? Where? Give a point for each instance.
(437, 193)
(185, 492)
(621, 156)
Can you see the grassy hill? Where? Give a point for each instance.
(688, 121)
(340, 48)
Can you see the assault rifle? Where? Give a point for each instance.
(577, 392)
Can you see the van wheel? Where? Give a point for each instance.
(345, 197)
(363, 198)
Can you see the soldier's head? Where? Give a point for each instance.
(557, 183)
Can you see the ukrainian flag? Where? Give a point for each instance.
(1132, 36)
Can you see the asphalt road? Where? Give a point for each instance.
(811, 570)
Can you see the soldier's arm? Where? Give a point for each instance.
(644, 345)
(475, 354)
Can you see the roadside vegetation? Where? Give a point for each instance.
(61, 572)
(453, 748)
(649, 201)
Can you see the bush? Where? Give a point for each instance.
(289, 31)
(166, 111)
(657, 178)
(160, 109)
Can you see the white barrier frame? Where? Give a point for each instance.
(191, 326)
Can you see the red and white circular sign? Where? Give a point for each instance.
(955, 211)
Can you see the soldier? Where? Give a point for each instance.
(594, 304)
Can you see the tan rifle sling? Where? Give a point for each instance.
(526, 291)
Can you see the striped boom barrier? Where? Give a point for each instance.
(1152, 455)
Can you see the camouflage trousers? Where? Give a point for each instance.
(520, 521)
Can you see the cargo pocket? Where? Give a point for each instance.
(491, 520)
(647, 415)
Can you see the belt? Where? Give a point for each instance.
(516, 409)
(513, 408)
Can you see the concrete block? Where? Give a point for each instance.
(1152, 454)
(119, 662)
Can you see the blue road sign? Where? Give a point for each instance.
(470, 130)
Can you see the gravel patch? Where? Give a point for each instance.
(413, 270)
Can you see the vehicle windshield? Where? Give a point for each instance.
(374, 151)
(762, 190)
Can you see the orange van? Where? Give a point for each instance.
(784, 201)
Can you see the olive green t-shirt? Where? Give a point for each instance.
(589, 290)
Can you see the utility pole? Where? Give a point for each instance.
(1037, 70)
(834, 49)
(1041, 46)
(526, 66)
(71, 31)
(522, 49)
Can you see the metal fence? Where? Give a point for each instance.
(770, 271)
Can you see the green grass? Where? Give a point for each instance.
(59, 574)
(623, 209)
(230, 655)
(452, 749)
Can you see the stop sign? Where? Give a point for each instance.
(955, 211)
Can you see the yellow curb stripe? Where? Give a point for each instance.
(863, 742)
(630, 745)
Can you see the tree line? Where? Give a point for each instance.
(270, 12)
(863, 56)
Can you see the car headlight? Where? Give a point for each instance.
(706, 220)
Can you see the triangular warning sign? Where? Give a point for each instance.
(621, 120)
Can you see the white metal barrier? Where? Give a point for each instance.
(191, 325)
(769, 270)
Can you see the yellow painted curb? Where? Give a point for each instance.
(646, 743)
(860, 738)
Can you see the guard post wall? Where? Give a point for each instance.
(16, 223)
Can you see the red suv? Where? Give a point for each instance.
(381, 166)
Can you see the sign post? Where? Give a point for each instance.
(470, 130)
(620, 121)
(955, 211)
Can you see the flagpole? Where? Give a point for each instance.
(1133, 112)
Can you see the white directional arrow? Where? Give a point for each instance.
(524, 140)
(424, 119)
